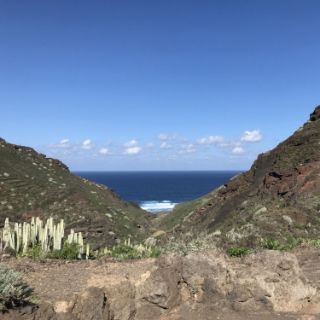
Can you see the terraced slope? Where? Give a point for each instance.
(33, 185)
(279, 197)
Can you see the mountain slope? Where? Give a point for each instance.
(278, 197)
(33, 185)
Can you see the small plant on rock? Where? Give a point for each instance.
(238, 251)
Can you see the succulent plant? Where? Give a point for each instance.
(49, 236)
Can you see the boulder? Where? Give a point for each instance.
(315, 115)
(91, 305)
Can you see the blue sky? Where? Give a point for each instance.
(157, 85)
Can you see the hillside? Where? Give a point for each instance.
(279, 197)
(33, 185)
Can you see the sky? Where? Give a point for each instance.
(157, 85)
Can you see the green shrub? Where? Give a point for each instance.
(289, 244)
(155, 252)
(35, 252)
(69, 251)
(123, 251)
(13, 291)
(271, 244)
(128, 251)
(238, 251)
(312, 242)
(292, 243)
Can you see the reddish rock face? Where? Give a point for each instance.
(293, 182)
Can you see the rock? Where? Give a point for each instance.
(121, 297)
(315, 115)
(91, 305)
(161, 288)
(287, 219)
(45, 312)
(247, 296)
(243, 205)
(261, 210)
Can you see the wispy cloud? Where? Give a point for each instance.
(211, 140)
(166, 136)
(251, 136)
(187, 148)
(165, 145)
(131, 143)
(64, 143)
(133, 150)
(237, 150)
(87, 144)
(104, 151)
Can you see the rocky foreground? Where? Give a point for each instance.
(201, 285)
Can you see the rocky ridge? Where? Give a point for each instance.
(278, 197)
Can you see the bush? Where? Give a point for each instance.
(69, 251)
(272, 244)
(13, 291)
(35, 252)
(312, 242)
(238, 251)
(127, 251)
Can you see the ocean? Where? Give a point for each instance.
(160, 190)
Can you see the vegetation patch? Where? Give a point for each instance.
(289, 244)
(238, 251)
(13, 291)
(127, 251)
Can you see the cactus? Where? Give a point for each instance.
(49, 236)
(87, 251)
(8, 235)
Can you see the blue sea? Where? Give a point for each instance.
(160, 190)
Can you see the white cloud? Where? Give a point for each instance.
(187, 148)
(237, 150)
(166, 136)
(165, 145)
(103, 151)
(64, 143)
(131, 143)
(133, 150)
(87, 144)
(251, 136)
(215, 140)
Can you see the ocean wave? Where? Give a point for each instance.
(156, 206)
